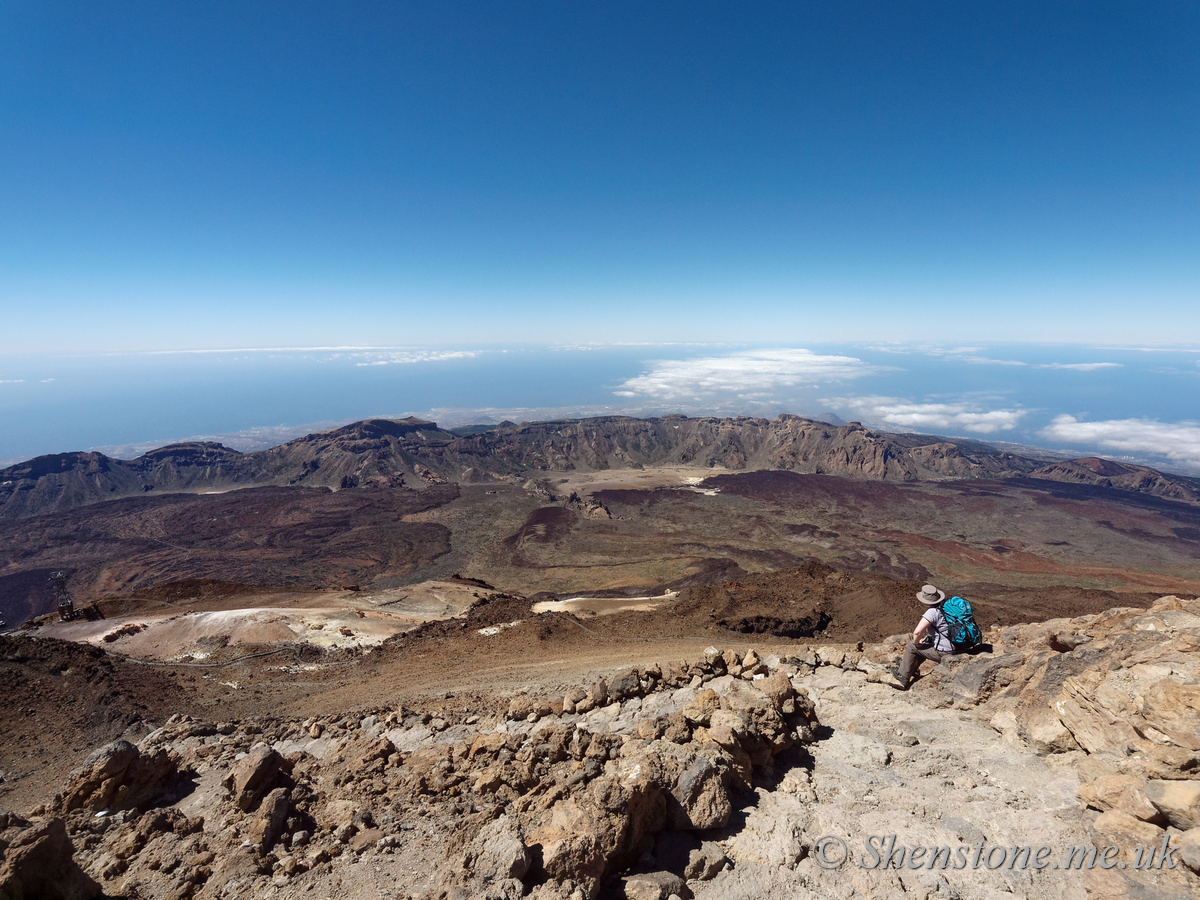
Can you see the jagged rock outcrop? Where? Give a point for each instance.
(116, 777)
(37, 862)
(548, 797)
(254, 776)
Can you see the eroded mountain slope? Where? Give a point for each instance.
(385, 452)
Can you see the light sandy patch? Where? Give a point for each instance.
(632, 479)
(492, 630)
(363, 619)
(693, 483)
(191, 636)
(425, 602)
(599, 606)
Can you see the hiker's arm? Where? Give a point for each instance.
(921, 628)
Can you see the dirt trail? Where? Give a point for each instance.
(888, 765)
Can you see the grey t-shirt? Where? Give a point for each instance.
(939, 629)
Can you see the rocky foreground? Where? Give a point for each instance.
(726, 776)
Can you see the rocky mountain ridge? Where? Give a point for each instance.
(381, 452)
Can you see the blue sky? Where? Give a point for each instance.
(961, 218)
(198, 176)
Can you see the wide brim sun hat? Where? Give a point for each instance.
(931, 596)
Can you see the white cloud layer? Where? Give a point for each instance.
(925, 417)
(415, 356)
(1178, 441)
(972, 355)
(752, 374)
(225, 350)
(1081, 367)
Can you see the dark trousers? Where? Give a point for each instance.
(913, 655)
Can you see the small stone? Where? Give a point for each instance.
(1179, 801)
(1189, 848)
(1124, 792)
(653, 886)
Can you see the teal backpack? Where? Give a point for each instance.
(960, 623)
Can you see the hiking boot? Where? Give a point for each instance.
(897, 680)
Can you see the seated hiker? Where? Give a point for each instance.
(931, 639)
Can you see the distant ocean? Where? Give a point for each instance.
(1132, 404)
